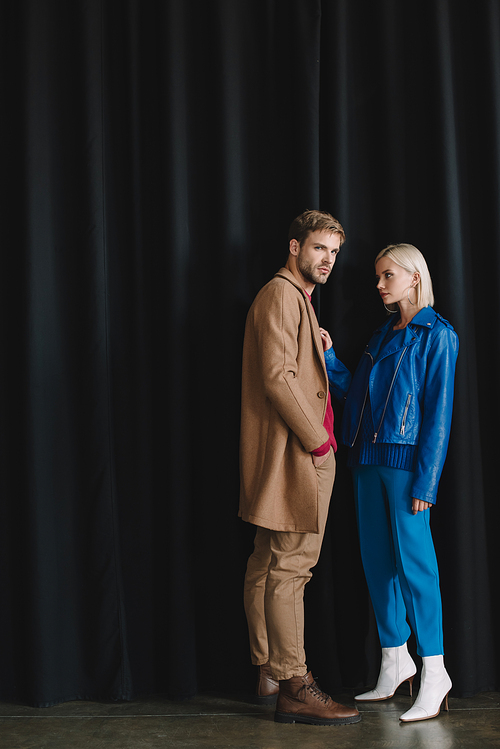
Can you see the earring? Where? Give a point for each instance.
(392, 311)
(408, 295)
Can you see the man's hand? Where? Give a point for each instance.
(419, 505)
(325, 337)
(318, 460)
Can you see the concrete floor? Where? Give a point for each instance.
(223, 723)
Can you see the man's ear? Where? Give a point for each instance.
(294, 247)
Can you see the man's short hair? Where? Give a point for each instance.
(310, 221)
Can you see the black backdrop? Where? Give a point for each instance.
(154, 153)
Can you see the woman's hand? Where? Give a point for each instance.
(325, 337)
(419, 505)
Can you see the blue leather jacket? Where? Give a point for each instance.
(411, 394)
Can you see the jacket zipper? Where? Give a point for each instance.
(389, 394)
(364, 404)
(403, 423)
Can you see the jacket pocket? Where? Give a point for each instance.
(405, 414)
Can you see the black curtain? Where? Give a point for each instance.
(153, 155)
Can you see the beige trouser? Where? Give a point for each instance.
(277, 573)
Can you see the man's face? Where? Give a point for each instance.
(316, 257)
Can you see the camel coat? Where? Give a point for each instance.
(284, 399)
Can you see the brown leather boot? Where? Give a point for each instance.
(267, 687)
(301, 701)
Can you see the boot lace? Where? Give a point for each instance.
(317, 693)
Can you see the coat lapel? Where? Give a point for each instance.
(313, 320)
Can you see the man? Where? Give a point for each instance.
(288, 468)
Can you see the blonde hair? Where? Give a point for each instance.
(408, 257)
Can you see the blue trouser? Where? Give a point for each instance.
(398, 559)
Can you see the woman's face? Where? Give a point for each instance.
(393, 281)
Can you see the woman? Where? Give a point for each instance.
(397, 422)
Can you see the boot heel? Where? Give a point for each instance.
(270, 699)
(410, 682)
(283, 718)
(434, 681)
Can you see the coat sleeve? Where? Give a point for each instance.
(276, 329)
(436, 417)
(339, 376)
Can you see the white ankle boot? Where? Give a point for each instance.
(397, 666)
(434, 687)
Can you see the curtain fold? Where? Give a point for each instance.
(65, 632)
(154, 155)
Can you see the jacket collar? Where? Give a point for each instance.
(425, 318)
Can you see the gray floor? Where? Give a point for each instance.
(211, 721)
